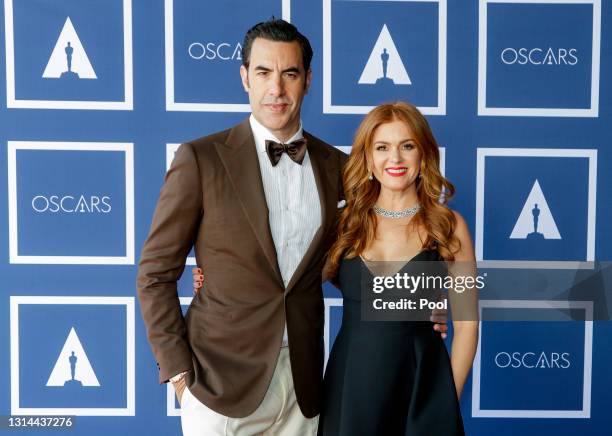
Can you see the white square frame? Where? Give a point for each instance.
(484, 110)
(171, 103)
(585, 412)
(13, 102)
(330, 108)
(128, 302)
(16, 258)
(170, 151)
(482, 153)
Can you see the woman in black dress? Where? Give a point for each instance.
(395, 377)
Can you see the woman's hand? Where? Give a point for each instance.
(440, 319)
(198, 279)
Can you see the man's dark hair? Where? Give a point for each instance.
(276, 30)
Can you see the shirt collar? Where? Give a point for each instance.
(261, 134)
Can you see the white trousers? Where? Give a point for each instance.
(278, 414)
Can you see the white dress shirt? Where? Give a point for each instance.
(293, 202)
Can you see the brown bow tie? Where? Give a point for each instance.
(295, 150)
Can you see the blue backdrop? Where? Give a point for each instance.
(100, 93)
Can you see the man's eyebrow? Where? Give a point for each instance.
(287, 70)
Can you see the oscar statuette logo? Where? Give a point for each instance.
(69, 61)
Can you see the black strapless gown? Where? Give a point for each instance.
(387, 378)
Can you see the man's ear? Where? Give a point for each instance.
(244, 75)
(308, 81)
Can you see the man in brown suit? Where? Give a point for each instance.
(258, 202)
(217, 197)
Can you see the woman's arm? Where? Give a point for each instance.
(464, 307)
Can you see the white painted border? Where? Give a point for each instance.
(126, 104)
(129, 410)
(127, 148)
(330, 108)
(482, 153)
(585, 412)
(171, 104)
(483, 109)
(170, 151)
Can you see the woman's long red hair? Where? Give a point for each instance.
(357, 222)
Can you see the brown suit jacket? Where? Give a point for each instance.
(230, 338)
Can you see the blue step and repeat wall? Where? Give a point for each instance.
(100, 93)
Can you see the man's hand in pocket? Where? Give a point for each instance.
(179, 388)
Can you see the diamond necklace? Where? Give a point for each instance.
(397, 214)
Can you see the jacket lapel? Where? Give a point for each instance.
(239, 156)
(326, 177)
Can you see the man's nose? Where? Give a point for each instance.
(277, 87)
